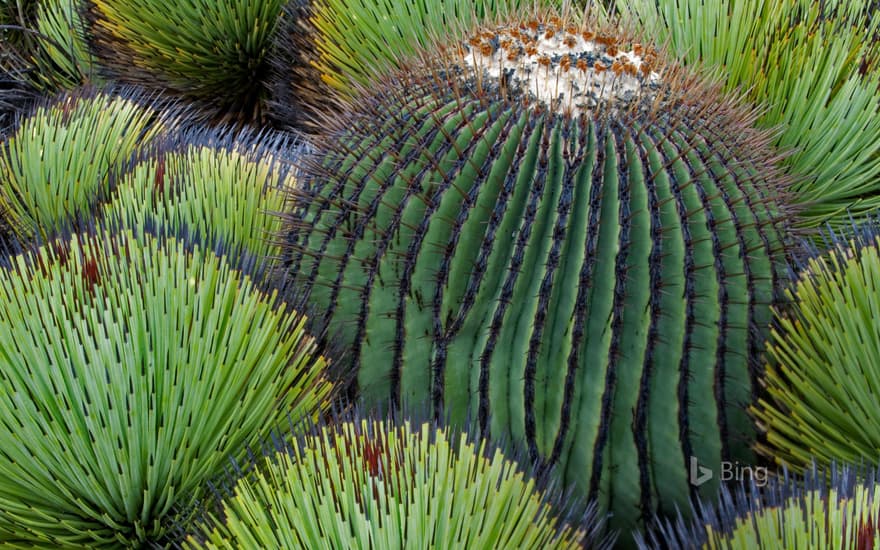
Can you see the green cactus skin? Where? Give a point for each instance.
(132, 367)
(837, 507)
(381, 484)
(595, 287)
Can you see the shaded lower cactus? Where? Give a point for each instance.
(55, 163)
(224, 187)
(551, 231)
(837, 509)
(131, 368)
(371, 484)
(823, 382)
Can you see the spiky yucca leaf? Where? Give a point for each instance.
(212, 52)
(339, 45)
(225, 188)
(44, 48)
(55, 163)
(66, 62)
(838, 508)
(587, 274)
(372, 484)
(131, 368)
(823, 381)
(812, 65)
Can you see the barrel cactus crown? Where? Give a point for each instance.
(132, 367)
(547, 228)
(374, 484)
(823, 378)
(834, 508)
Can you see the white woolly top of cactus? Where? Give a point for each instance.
(568, 69)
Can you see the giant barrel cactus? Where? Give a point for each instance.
(549, 230)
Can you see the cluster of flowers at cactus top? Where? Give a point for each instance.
(564, 67)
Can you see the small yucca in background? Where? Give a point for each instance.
(226, 187)
(211, 53)
(56, 161)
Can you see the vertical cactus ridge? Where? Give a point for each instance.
(587, 274)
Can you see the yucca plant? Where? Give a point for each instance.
(223, 186)
(338, 45)
(837, 508)
(56, 161)
(212, 53)
(580, 254)
(132, 367)
(44, 49)
(375, 484)
(811, 66)
(823, 382)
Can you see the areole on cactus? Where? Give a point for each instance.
(551, 229)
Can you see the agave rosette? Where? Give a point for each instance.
(132, 367)
(56, 162)
(811, 66)
(374, 484)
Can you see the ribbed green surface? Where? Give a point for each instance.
(593, 288)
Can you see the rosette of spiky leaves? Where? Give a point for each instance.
(132, 368)
(213, 52)
(812, 66)
(339, 45)
(591, 278)
(225, 187)
(43, 48)
(376, 484)
(55, 162)
(836, 508)
(823, 382)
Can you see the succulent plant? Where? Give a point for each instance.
(838, 508)
(44, 46)
(222, 186)
(372, 484)
(587, 274)
(55, 162)
(213, 53)
(131, 367)
(812, 66)
(339, 45)
(822, 398)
